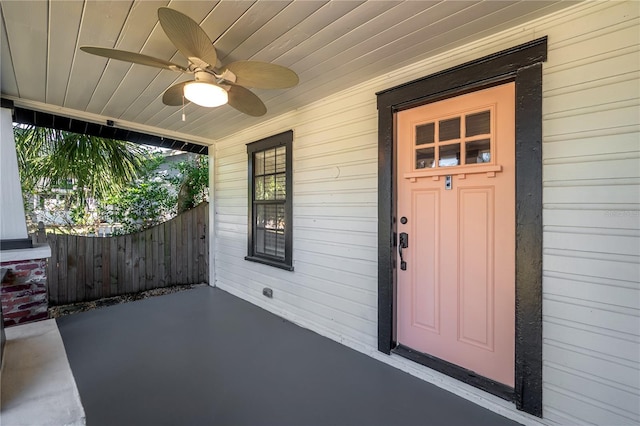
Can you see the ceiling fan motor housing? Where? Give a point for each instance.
(205, 77)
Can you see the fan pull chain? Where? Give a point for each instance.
(184, 117)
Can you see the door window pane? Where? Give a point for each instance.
(478, 151)
(425, 133)
(449, 155)
(478, 123)
(425, 158)
(450, 129)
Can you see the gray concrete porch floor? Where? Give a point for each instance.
(205, 357)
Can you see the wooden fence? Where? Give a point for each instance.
(89, 268)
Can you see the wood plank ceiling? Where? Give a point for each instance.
(332, 45)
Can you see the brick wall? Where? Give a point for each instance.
(24, 291)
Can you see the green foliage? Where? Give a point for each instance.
(192, 183)
(146, 202)
(99, 180)
(79, 214)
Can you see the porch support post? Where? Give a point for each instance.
(13, 228)
(212, 216)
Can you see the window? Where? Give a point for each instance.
(439, 143)
(270, 201)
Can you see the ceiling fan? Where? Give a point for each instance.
(212, 86)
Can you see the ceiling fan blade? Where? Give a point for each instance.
(136, 58)
(173, 96)
(188, 37)
(245, 101)
(263, 75)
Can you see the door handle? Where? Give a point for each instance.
(404, 243)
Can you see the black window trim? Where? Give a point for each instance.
(281, 139)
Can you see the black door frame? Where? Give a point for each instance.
(523, 65)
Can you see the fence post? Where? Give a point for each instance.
(40, 236)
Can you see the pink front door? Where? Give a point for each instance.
(456, 211)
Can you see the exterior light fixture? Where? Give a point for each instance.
(205, 94)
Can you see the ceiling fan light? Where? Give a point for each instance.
(205, 94)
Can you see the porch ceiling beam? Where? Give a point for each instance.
(107, 130)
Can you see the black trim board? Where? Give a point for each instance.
(17, 244)
(58, 122)
(455, 371)
(529, 239)
(521, 64)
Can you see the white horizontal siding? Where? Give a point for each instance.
(335, 220)
(591, 152)
(591, 217)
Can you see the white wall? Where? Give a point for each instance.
(592, 219)
(591, 214)
(13, 225)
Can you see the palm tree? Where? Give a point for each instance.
(91, 165)
(50, 158)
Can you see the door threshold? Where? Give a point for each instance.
(459, 373)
